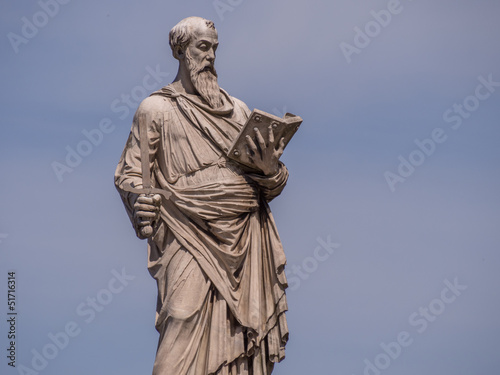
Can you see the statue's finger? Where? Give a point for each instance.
(144, 199)
(146, 214)
(281, 145)
(260, 139)
(271, 135)
(251, 144)
(144, 223)
(145, 207)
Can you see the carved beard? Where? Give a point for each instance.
(204, 80)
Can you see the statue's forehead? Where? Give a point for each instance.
(204, 32)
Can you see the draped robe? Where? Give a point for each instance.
(215, 252)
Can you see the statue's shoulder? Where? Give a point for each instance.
(154, 106)
(155, 103)
(240, 105)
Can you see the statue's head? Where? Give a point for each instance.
(194, 42)
(188, 30)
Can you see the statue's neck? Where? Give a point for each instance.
(182, 82)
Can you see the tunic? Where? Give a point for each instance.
(215, 252)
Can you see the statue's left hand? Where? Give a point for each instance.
(265, 155)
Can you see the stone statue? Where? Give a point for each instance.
(213, 246)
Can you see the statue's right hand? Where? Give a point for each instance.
(146, 212)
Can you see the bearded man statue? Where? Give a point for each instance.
(213, 246)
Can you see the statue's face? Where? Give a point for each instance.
(199, 59)
(202, 47)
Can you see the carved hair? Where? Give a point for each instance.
(181, 34)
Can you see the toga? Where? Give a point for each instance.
(215, 252)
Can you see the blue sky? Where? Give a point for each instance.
(392, 248)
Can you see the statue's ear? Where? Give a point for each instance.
(179, 53)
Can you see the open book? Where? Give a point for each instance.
(282, 128)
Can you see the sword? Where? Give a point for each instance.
(147, 188)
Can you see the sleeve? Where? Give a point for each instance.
(271, 186)
(129, 170)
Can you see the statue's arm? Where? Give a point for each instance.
(129, 170)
